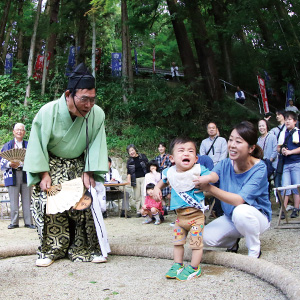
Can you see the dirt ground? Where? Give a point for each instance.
(133, 277)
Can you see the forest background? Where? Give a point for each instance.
(212, 42)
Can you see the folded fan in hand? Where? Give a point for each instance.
(14, 155)
(69, 194)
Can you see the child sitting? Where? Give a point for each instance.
(189, 205)
(151, 208)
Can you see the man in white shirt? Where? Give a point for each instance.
(113, 176)
(174, 72)
(292, 107)
(214, 146)
(239, 96)
(15, 180)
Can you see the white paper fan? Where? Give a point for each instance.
(69, 194)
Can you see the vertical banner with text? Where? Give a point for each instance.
(8, 64)
(290, 94)
(116, 64)
(263, 93)
(72, 60)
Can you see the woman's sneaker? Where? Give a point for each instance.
(175, 270)
(189, 273)
(295, 213)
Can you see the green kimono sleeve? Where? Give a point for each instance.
(97, 159)
(37, 157)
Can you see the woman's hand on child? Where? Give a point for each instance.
(202, 183)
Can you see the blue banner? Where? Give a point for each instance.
(116, 64)
(290, 94)
(72, 60)
(8, 64)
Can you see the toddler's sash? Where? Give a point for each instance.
(192, 202)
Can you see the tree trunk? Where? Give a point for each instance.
(126, 49)
(83, 26)
(184, 46)
(31, 52)
(286, 23)
(219, 12)
(3, 22)
(127, 72)
(265, 32)
(20, 32)
(206, 56)
(7, 37)
(51, 45)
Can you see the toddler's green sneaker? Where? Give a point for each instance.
(189, 273)
(175, 270)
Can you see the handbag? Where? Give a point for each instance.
(279, 169)
(270, 168)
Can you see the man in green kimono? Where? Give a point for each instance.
(67, 140)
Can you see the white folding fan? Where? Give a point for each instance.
(69, 194)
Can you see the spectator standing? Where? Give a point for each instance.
(277, 130)
(292, 107)
(15, 180)
(174, 72)
(153, 176)
(164, 162)
(216, 148)
(136, 171)
(281, 126)
(289, 147)
(268, 142)
(239, 96)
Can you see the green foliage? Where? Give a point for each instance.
(12, 109)
(156, 111)
(159, 111)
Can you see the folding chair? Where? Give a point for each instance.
(289, 224)
(211, 202)
(111, 202)
(4, 192)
